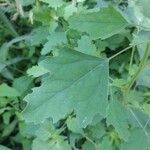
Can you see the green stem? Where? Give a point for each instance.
(141, 66)
(131, 59)
(124, 50)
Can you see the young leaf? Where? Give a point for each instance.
(78, 82)
(88, 48)
(102, 24)
(53, 40)
(48, 138)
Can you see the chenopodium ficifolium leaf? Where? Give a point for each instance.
(56, 38)
(138, 140)
(117, 116)
(48, 138)
(77, 82)
(101, 24)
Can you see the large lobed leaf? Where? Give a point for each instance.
(102, 24)
(78, 82)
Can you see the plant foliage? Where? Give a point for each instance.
(74, 75)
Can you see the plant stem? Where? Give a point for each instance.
(120, 52)
(131, 59)
(141, 66)
(124, 50)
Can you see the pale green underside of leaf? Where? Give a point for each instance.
(102, 24)
(117, 116)
(78, 82)
(37, 71)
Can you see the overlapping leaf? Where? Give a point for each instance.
(101, 24)
(117, 116)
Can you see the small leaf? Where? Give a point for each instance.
(86, 46)
(48, 138)
(74, 126)
(7, 91)
(54, 39)
(23, 84)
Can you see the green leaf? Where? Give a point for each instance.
(23, 85)
(137, 141)
(69, 10)
(88, 48)
(4, 51)
(53, 3)
(96, 131)
(105, 145)
(4, 148)
(42, 14)
(74, 126)
(9, 128)
(142, 37)
(117, 116)
(37, 71)
(8, 91)
(54, 39)
(102, 24)
(28, 129)
(144, 77)
(39, 35)
(48, 138)
(78, 82)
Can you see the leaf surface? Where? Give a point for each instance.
(7, 91)
(138, 140)
(117, 116)
(102, 24)
(77, 82)
(53, 40)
